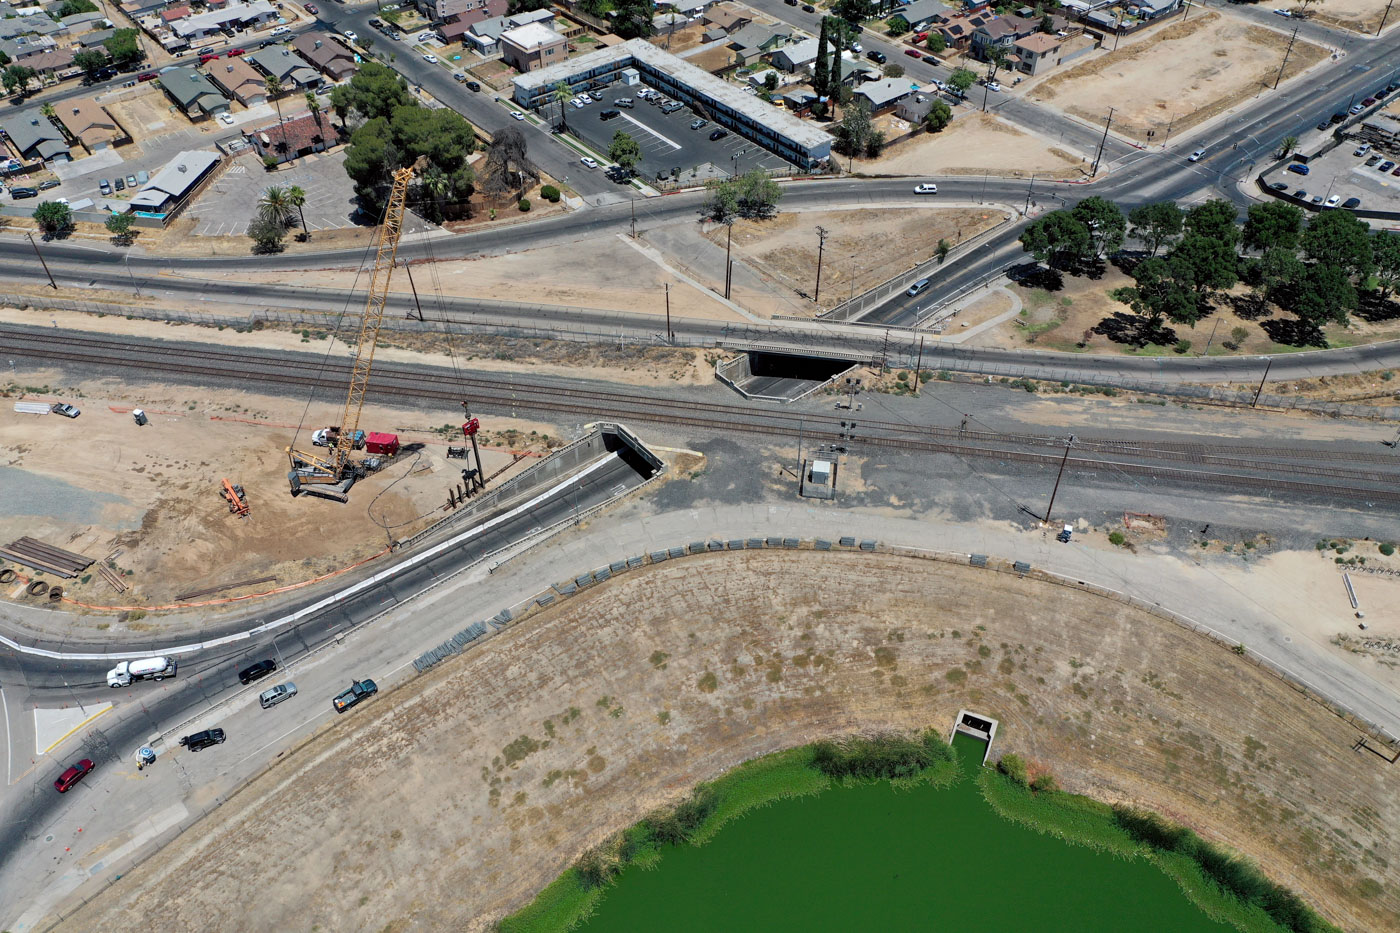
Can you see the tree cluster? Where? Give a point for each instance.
(55, 219)
(390, 131)
(753, 196)
(857, 134)
(124, 48)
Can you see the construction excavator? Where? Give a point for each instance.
(331, 475)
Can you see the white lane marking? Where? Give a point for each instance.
(638, 123)
(9, 744)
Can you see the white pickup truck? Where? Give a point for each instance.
(145, 669)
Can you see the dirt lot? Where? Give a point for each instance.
(1176, 75)
(146, 113)
(974, 144)
(869, 246)
(1362, 16)
(554, 731)
(152, 503)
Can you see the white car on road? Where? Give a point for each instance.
(589, 162)
(430, 59)
(926, 188)
(1196, 156)
(517, 114)
(350, 34)
(993, 86)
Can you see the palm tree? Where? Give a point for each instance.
(276, 205)
(48, 111)
(274, 90)
(296, 197)
(561, 97)
(314, 105)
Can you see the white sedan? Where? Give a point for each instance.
(516, 114)
(1282, 12)
(350, 34)
(430, 59)
(993, 86)
(926, 188)
(226, 118)
(589, 162)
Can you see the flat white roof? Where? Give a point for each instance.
(531, 36)
(697, 79)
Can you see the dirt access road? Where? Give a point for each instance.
(581, 719)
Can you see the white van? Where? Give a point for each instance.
(145, 669)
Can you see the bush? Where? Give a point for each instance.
(53, 217)
(1182, 346)
(550, 194)
(1013, 767)
(1045, 784)
(1117, 539)
(1386, 548)
(524, 205)
(269, 161)
(880, 756)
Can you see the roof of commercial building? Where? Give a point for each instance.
(699, 80)
(531, 36)
(175, 180)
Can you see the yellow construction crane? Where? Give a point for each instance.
(332, 476)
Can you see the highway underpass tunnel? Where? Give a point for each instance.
(786, 377)
(619, 440)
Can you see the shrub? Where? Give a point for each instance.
(269, 161)
(524, 205)
(1182, 346)
(1013, 767)
(1117, 539)
(1386, 548)
(1045, 784)
(550, 194)
(880, 756)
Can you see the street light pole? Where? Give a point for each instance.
(1029, 189)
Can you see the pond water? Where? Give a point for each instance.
(872, 857)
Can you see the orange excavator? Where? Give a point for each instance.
(236, 498)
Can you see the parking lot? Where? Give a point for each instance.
(1342, 174)
(230, 204)
(668, 143)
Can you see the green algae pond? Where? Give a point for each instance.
(874, 856)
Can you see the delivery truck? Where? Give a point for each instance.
(145, 669)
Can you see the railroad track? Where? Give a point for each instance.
(1290, 470)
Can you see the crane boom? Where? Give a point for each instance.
(337, 466)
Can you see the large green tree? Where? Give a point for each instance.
(962, 79)
(1339, 239)
(1059, 239)
(1156, 224)
(53, 218)
(384, 144)
(124, 48)
(633, 18)
(625, 150)
(1385, 253)
(1273, 224)
(120, 226)
(821, 70)
(754, 195)
(1105, 223)
(16, 78)
(91, 61)
(1325, 295)
(1203, 264)
(852, 11)
(74, 7)
(1215, 219)
(1157, 296)
(374, 92)
(939, 115)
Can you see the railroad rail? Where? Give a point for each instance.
(1289, 470)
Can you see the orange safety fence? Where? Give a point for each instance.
(234, 599)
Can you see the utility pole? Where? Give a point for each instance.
(985, 91)
(982, 197)
(821, 244)
(1051, 507)
(1030, 189)
(1385, 16)
(132, 277)
(670, 335)
(918, 366)
(1211, 339)
(728, 263)
(1286, 52)
(416, 303)
(1261, 382)
(634, 218)
(41, 261)
(1103, 142)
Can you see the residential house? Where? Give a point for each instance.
(174, 14)
(328, 53)
(1001, 33)
(883, 95)
(238, 79)
(57, 62)
(758, 39)
(32, 26)
(468, 11)
(915, 107)
(89, 123)
(795, 56)
(728, 17)
(921, 14)
(1040, 52)
(201, 25)
(532, 46)
(21, 48)
(174, 183)
(957, 31)
(296, 136)
(1148, 10)
(485, 35)
(800, 101)
(34, 137)
(79, 23)
(290, 70)
(93, 40)
(192, 93)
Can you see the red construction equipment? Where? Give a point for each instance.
(236, 498)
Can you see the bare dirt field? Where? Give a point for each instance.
(1176, 75)
(555, 735)
(147, 113)
(151, 503)
(867, 247)
(974, 144)
(581, 278)
(1361, 16)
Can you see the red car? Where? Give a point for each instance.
(311, 8)
(913, 53)
(73, 775)
(206, 59)
(233, 52)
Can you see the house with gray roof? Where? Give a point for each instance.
(485, 36)
(22, 47)
(34, 137)
(327, 53)
(796, 56)
(291, 70)
(757, 39)
(175, 182)
(193, 93)
(884, 94)
(921, 13)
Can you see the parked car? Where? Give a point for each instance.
(913, 53)
(808, 8)
(256, 671)
(234, 53)
(516, 114)
(458, 76)
(1362, 149)
(1372, 161)
(926, 188)
(1351, 204)
(1357, 108)
(1196, 156)
(473, 85)
(1300, 194)
(18, 193)
(206, 50)
(1384, 167)
(697, 123)
(147, 76)
(1338, 117)
(1396, 170)
(104, 186)
(718, 134)
(1324, 125)
(596, 95)
(67, 411)
(1317, 199)
(350, 34)
(589, 162)
(1299, 168)
(73, 775)
(790, 2)
(1368, 102)
(1279, 185)
(280, 30)
(131, 181)
(311, 8)
(430, 59)
(876, 56)
(919, 287)
(578, 104)
(1333, 201)
(993, 85)
(202, 740)
(1282, 12)
(426, 36)
(270, 698)
(609, 114)
(930, 59)
(51, 183)
(206, 59)
(359, 691)
(626, 103)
